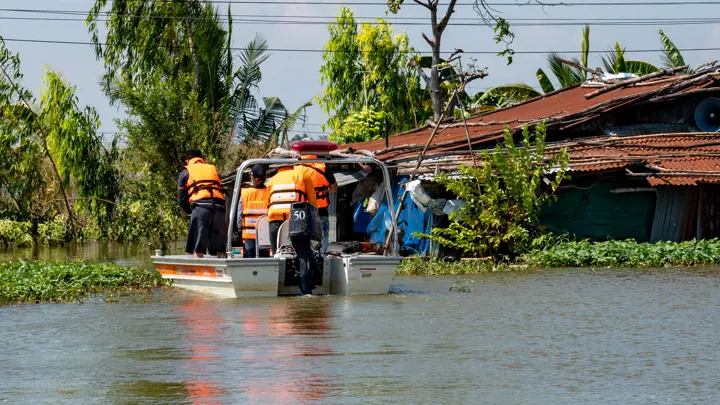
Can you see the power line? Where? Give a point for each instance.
(298, 50)
(472, 3)
(478, 23)
(330, 18)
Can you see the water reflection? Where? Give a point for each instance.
(203, 332)
(291, 377)
(124, 254)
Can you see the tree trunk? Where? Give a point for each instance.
(434, 74)
(196, 64)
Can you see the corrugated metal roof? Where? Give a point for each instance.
(566, 107)
(676, 159)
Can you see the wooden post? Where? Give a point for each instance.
(412, 176)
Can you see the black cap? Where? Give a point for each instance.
(258, 171)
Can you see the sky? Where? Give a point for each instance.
(294, 76)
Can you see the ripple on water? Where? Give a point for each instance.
(553, 337)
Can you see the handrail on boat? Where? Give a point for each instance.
(269, 161)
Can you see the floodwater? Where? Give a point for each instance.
(552, 337)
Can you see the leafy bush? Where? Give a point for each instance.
(366, 125)
(627, 253)
(52, 232)
(33, 282)
(15, 234)
(503, 196)
(146, 214)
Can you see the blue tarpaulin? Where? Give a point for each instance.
(411, 220)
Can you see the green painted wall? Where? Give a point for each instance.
(595, 213)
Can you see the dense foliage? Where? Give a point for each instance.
(52, 144)
(366, 125)
(503, 196)
(23, 282)
(627, 253)
(370, 66)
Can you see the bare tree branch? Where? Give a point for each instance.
(421, 72)
(444, 22)
(426, 5)
(428, 40)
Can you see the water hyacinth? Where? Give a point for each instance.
(24, 282)
(627, 253)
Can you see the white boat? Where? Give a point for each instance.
(234, 277)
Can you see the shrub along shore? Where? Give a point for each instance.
(579, 254)
(27, 282)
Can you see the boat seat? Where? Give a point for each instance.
(262, 235)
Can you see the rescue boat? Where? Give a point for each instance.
(337, 273)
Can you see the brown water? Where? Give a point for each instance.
(552, 337)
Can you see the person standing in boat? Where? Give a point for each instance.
(200, 195)
(324, 181)
(291, 184)
(253, 205)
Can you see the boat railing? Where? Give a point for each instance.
(332, 161)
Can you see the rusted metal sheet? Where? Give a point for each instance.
(675, 214)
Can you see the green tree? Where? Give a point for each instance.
(170, 63)
(52, 135)
(435, 64)
(503, 197)
(366, 125)
(368, 65)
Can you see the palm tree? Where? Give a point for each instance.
(249, 120)
(567, 76)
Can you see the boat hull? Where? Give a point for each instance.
(238, 277)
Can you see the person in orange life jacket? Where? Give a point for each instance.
(292, 184)
(253, 204)
(200, 195)
(324, 181)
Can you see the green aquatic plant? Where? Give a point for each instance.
(626, 253)
(435, 267)
(26, 282)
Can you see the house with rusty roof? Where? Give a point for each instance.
(644, 153)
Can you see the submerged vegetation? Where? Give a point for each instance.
(26, 282)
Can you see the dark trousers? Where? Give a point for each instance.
(208, 230)
(249, 249)
(274, 227)
(301, 244)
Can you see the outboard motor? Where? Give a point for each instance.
(305, 222)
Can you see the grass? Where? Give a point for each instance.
(578, 254)
(25, 282)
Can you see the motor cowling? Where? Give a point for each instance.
(305, 221)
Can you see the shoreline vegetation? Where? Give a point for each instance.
(579, 254)
(30, 282)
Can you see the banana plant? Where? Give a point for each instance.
(614, 62)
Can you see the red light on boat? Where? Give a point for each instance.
(307, 147)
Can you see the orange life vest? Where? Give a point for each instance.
(322, 185)
(285, 188)
(203, 181)
(254, 205)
